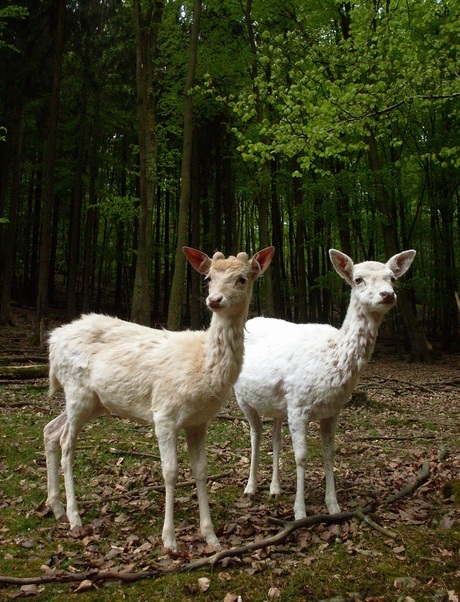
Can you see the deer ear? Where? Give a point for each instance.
(197, 259)
(261, 261)
(343, 264)
(400, 263)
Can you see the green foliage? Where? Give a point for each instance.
(323, 91)
(7, 13)
(285, 105)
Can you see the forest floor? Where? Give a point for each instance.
(400, 433)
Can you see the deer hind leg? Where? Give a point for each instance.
(91, 408)
(327, 428)
(196, 444)
(52, 435)
(275, 487)
(81, 407)
(255, 423)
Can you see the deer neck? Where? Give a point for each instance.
(358, 336)
(224, 350)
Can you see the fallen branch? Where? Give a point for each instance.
(20, 404)
(419, 479)
(395, 438)
(8, 360)
(93, 576)
(130, 452)
(24, 372)
(376, 526)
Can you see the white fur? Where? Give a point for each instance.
(307, 372)
(175, 380)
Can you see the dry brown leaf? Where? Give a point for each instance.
(274, 593)
(203, 584)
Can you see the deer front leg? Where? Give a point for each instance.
(166, 434)
(298, 429)
(196, 444)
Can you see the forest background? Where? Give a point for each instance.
(131, 128)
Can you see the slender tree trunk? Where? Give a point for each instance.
(263, 198)
(280, 282)
(147, 18)
(76, 207)
(177, 288)
(41, 311)
(12, 226)
(415, 337)
(120, 227)
(196, 321)
(301, 264)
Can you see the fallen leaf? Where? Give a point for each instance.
(145, 547)
(204, 583)
(274, 593)
(84, 586)
(232, 598)
(29, 590)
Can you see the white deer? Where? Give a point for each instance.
(307, 372)
(175, 380)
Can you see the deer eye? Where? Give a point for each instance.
(359, 280)
(207, 279)
(242, 280)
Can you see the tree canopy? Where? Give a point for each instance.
(310, 125)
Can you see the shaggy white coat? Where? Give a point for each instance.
(307, 372)
(175, 380)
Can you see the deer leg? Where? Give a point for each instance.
(298, 429)
(52, 435)
(255, 424)
(327, 428)
(196, 441)
(167, 442)
(275, 488)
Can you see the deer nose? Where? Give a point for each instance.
(388, 296)
(215, 301)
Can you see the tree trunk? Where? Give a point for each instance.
(265, 285)
(147, 18)
(12, 226)
(76, 207)
(196, 314)
(177, 287)
(414, 336)
(280, 282)
(301, 263)
(42, 303)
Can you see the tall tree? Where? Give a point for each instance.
(147, 19)
(177, 287)
(57, 24)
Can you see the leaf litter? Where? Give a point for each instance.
(409, 413)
